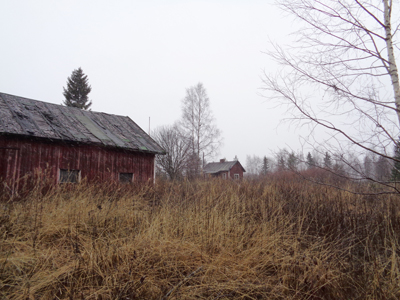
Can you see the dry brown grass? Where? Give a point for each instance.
(279, 239)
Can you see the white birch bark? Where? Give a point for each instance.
(393, 71)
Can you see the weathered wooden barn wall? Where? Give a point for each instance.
(66, 144)
(24, 156)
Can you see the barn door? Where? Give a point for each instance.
(8, 168)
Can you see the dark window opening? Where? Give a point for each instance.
(236, 176)
(69, 176)
(125, 177)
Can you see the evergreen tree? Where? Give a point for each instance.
(382, 169)
(265, 166)
(327, 161)
(292, 161)
(78, 88)
(281, 160)
(310, 161)
(368, 166)
(396, 167)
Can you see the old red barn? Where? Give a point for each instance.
(68, 144)
(225, 169)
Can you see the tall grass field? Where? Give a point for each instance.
(276, 238)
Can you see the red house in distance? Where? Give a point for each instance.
(224, 169)
(68, 144)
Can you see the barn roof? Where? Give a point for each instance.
(32, 118)
(216, 167)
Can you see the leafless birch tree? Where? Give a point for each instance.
(199, 127)
(253, 164)
(340, 74)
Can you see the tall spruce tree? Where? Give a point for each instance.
(78, 88)
(327, 161)
(265, 166)
(310, 161)
(292, 161)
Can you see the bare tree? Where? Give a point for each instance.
(253, 164)
(340, 74)
(172, 164)
(198, 125)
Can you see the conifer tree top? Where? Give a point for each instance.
(78, 88)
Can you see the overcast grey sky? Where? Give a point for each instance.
(140, 56)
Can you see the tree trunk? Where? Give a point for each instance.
(393, 72)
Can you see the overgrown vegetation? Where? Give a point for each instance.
(280, 238)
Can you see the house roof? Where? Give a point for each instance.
(32, 118)
(216, 167)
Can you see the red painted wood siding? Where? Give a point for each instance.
(19, 157)
(236, 169)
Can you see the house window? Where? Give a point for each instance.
(125, 177)
(236, 176)
(223, 175)
(69, 176)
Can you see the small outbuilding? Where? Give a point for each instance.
(224, 169)
(67, 144)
